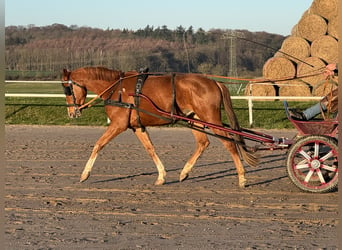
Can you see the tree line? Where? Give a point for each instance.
(42, 52)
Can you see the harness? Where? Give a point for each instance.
(141, 78)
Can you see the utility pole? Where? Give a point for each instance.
(231, 36)
(186, 51)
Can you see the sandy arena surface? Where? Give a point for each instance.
(119, 207)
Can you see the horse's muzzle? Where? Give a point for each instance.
(74, 113)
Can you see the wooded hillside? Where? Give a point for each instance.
(45, 51)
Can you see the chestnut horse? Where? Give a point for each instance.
(183, 94)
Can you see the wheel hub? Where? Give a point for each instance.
(315, 164)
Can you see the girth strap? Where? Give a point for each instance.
(173, 105)
(138, 90)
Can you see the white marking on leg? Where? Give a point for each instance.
(87, 169)
(146, 141)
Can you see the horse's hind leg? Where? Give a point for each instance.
(146, 141)
(108, 135)
(202, 143)
(232, 149)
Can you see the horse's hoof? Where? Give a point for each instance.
(159, 182)
(242, 184)
(84, 176)
(242, 181)
(183, 177)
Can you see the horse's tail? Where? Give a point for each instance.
(246, 155)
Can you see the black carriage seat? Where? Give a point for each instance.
(314, 127)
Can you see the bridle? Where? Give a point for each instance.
(69, 91)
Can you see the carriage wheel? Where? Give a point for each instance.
(312, 163)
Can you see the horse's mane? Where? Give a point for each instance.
(96, 73)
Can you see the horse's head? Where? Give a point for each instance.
(75, 94)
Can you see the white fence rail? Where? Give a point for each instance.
(249, 99)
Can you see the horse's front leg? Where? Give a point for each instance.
(202, 143)
(108, 135)
(144, 137)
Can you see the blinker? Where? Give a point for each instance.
(67, 90)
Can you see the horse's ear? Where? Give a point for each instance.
(66, 72)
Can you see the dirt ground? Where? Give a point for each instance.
(119, 207)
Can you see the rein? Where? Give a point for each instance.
(314, 73)
(274, 49)
(89, 103)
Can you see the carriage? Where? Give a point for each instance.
(138, 99)
(312, 158)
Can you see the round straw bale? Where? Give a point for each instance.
(294, 31)
(295, 47)
(307, 12)
(326, 48)
(278, 54)
(324, 87)
(261, 89)
(332, 27)
(276, 68)
(325, 8)
(295, 88)
(304, 69)
(311, 26)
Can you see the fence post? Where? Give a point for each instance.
(250, 111)
(250, 105)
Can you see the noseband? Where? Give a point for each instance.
(69, 91)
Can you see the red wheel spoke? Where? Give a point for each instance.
(316, 151)
(301, 166)
(309, 175)
(327, 156)
(329, 168)
(321, 178)
(305, 155)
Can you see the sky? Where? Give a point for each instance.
(273, 16)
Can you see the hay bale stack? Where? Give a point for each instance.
(311, 26)
(295, 48)
(326, 48)
(325, 8)
(277, 68)
(295, 88)
(304, 69)
(261, 89)
(313, 40)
